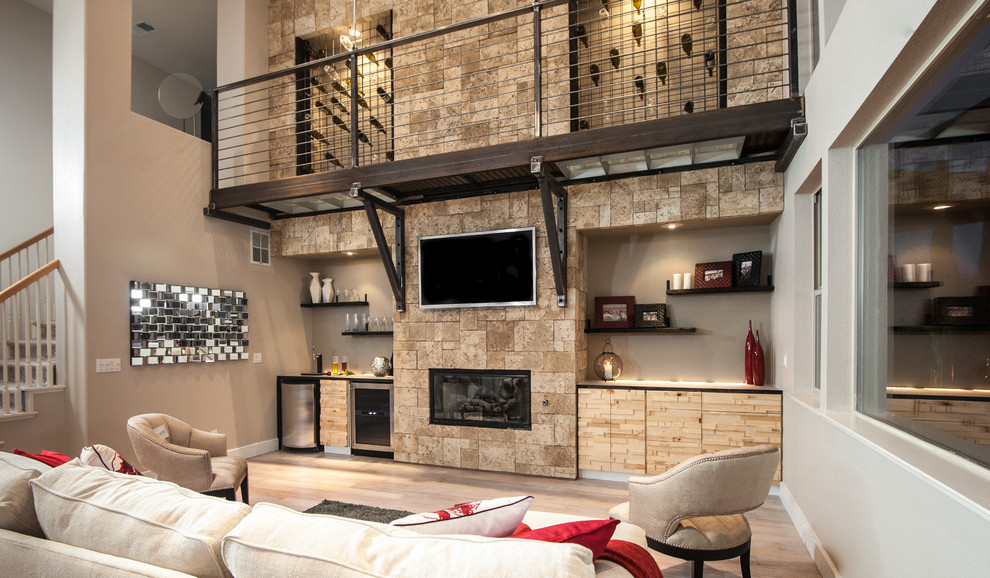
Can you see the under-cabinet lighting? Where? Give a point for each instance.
(672, 226)
(941, 207)
(350, 253)
(669, 157)
(714, 151)
(631, 162)
(582, 168)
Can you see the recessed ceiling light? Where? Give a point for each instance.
(941, 207)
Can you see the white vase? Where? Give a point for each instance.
(314, 287)
(328, 290)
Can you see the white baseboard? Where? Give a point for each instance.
(257, 449)
(605, 476)
(339, 450)
(807, 535)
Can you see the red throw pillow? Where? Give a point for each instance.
(47, 457)
(592, 534)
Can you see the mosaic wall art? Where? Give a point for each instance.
(179, 324)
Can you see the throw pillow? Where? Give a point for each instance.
(99, 455)
(495, 518)
(49, 458)
(592, 534)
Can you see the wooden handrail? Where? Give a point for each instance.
(28, 243)
(28, 280)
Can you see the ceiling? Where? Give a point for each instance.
(185, 39)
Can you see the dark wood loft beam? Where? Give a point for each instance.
(758, 118)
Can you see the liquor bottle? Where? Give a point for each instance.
(385, 95)
(689, 106)
(333, 160)
(383, 33)
(750, 341)
(640, 86)
(582, 34)
(377, 124)
(583, 124)
(697, 4)
(710, 62)
(662, 72)
(614, 57)
(686, 43)
(336, 120)
(759, 369)
(595, 77)
(637, 29)
(363, 137)
(338, 104)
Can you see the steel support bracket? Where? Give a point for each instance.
(395, 271)
(555, 218)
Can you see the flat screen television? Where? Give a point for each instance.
(484, 269)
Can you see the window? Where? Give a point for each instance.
(260, 247)
(924, 285)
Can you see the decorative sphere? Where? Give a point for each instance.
(380, 366)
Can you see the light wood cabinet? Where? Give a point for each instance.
(333, 413)
(612, 430)
(648, 431)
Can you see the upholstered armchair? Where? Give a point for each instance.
(176, 452)
(695, 510)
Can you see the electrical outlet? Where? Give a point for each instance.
(257, 358)
(108, 365)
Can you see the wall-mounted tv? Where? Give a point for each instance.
(485, 269)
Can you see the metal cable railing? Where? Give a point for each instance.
(549, 68)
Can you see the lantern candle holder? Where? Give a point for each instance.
(608, 365)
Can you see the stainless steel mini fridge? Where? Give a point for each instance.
(299, 413)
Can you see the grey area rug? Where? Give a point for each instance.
(357, 511)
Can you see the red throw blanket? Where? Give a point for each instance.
(633, 557)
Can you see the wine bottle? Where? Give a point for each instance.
(595, 77)
(333, 160)
(662, 72)
(637, 4)
(371, 58)
(315, 82)
(361, 101)
(582, 34)
(341, 124)
(710, 62)
(389, 155)
(377, 124)
(614, 57)
(689, 106)
(748, 359)
(686, 43)
(697, 4)
(385, 95)
(338, 104)
(326, 109)
(363, 137)
(583, 124)
(637, 29)
(318, 136)
(640, 86)
(340, 88)
(388, 63)
(383, 33)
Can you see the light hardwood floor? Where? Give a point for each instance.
(302, 480)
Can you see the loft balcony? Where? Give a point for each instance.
(596, 90)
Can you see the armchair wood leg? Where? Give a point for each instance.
(244, 489)
(744, 564)
(698, 568)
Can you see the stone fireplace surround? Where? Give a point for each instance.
(545, 339)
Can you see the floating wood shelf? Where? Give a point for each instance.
(916, 284)
(335, 304)
(714, 290)
(365, 333)
(671, 330)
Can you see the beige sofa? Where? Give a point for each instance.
(77, 520)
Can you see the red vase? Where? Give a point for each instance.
(749, 354)
(758, 361)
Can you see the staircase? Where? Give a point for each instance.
(27, 324)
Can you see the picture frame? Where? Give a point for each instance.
(960, 311)
(650, 315)
(746, 269)
(715, 274)
(614, 312)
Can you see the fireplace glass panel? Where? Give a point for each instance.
(480, 398)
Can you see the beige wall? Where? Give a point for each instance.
(129, 204)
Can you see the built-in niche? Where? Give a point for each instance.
(173, 324)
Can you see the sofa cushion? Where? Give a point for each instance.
(494, 518)
(135, 517)
(313, 545)
(16, 499)
(25, 556)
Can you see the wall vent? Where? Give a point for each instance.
(142, 28)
